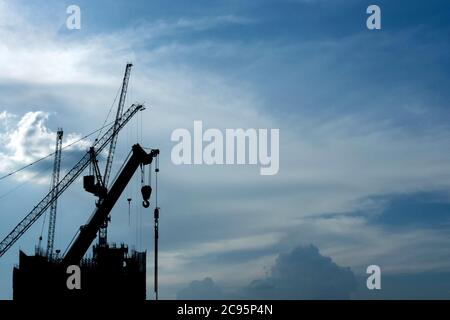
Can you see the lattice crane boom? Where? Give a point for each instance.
(112, 146)
(65, 182)
(54, 189)
(103, 232)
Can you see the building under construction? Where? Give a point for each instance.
(111, 271)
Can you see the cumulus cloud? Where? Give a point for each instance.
(302, 273)
(6, 120)
(28, 140)
(31, 139)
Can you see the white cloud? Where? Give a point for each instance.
(30, 140)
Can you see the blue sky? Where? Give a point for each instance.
(363, 118)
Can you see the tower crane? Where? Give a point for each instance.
(103, 232)
(66, 181)
(54, 189)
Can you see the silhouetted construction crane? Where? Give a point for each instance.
(66, 181)
(54, 190)
(88, 232)
(103, 233)
(111, 271)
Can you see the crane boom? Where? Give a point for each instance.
(54, 188)
(89, 231)
(65, 182)
(103, 232)
(112, 146)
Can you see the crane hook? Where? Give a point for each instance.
(146, 193)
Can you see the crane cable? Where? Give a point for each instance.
(156, 228)
(37, 174)
(25, 182)
(156, 180)
(51, 154)
(42, 231)
(110, 109)
(129, 211)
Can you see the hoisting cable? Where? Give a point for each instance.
(156, 179)
(110, 110)
(42, 231)
(129, 211)
(122, 166)
(150, 174)
(156, 217)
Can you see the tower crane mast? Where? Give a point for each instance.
(54, 190)
(65, 182)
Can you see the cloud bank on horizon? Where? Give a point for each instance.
(363, 118)
(302, 273)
